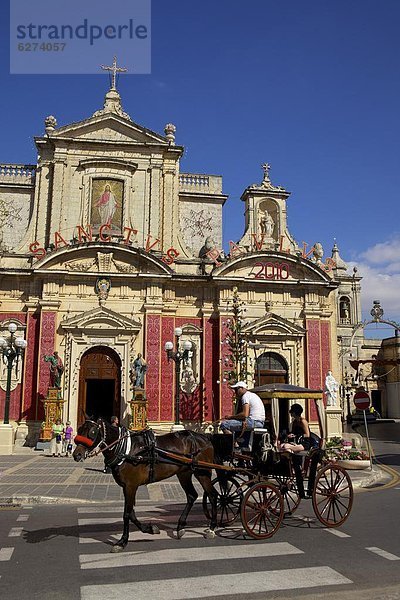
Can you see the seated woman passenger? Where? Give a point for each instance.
(299, 438)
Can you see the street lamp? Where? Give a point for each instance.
(347, 387)
(177, 356)
(12, 350)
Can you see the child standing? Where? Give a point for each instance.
(68, 436)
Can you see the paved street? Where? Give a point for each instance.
(63, 551)
(67, 548)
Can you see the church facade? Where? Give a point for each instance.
(107, 247)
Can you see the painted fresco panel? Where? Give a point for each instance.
(107, 203)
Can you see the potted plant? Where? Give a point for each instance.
(345, 455)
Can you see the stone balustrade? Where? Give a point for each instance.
(194, 182)
(187, 180)
(20, 174)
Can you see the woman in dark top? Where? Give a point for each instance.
(299, 438)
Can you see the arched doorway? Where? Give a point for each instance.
(99, 384)
(271, 368)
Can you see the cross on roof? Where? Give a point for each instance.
(114, 69)
(266, 167)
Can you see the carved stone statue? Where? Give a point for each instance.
(188, 380)
(331, 389)
(56, 369)
(318, 252)
(266, 224)
(137, 371)
(209, 245)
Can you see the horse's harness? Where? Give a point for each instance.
(147, 454)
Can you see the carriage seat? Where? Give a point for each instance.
(258, 431)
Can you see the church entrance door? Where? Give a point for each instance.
(272, 368)
(99, 384)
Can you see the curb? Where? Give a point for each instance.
(376, 480)
(379, 477)
(12, 500)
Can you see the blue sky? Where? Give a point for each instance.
(311, 86)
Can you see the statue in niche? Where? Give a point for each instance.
(188, 380)
(345, 310)
(266, 224)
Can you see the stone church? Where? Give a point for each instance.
(107, 247)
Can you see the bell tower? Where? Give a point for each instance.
(265, 215)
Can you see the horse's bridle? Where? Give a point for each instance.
(88, 442)
(101, 446)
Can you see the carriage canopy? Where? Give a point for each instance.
(274, 394)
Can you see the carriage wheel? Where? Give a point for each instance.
(229, 498)
(288, 489)
(262, 510)
(332, 495)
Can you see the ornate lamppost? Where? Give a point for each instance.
(348, 384)
(12, 350)
(178, 355)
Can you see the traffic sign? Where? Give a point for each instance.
(362, 400)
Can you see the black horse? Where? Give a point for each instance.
(140, 458)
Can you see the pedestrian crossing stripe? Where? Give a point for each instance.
(181, 555)
(337, 532)
(383, 553)
(88, 510)
(6, 553)
(15, 531)
(138, 536)
(245, 584)
(156, 518)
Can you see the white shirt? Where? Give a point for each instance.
(257, 410)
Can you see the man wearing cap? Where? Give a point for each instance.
(251, 411)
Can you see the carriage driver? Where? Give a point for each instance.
(251, 411)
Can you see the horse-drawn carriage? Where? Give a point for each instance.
(258, 483)
(263, 485)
